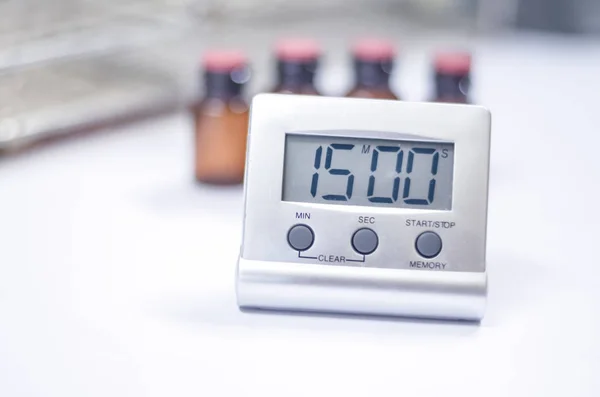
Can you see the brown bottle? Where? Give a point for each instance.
(221, 120)
(373, 64)
(297, 61)
(452, 72)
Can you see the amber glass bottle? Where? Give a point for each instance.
(221, 119)
(297, 62)
(452, 75)
(373, 65)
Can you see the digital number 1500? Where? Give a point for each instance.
(395, 182)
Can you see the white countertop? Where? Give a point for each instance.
(117, 271)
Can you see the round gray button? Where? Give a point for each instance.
(428, 244)
(301, 237)
(365, 241)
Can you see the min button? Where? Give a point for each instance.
(301, 237)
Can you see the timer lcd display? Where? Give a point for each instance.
(368, 172)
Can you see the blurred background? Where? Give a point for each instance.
(69, 64)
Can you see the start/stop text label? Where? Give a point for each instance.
(430, 224)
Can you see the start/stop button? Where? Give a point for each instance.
(428, 244)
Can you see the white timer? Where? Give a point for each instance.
(365, 206)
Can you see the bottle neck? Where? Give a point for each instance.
(452, 87)
(296, 75)
(222, 85)
(373, 74)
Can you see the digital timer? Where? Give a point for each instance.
(365, 206)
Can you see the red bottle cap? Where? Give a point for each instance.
(452, 62)
(373, 49)
(297, 50)
(223, 60)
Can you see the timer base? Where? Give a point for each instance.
(360, 290)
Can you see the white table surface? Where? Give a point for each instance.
(117, 271)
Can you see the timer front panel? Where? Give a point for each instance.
(361, 210)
